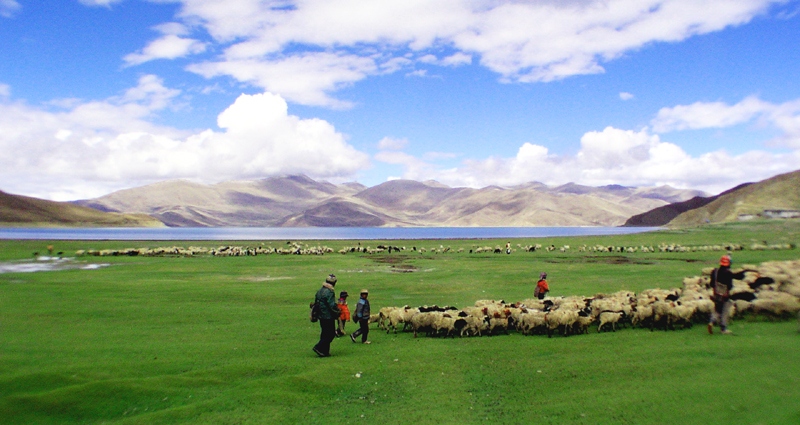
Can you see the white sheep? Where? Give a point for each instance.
(776, 303)
(533, 321)
(561, 318)
(608, 317)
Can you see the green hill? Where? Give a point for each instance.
(781, 192)
(17, 210)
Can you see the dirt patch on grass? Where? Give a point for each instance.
(389, 259)
(396, 263)
(617, 259)
(403, 268)
(613, 259)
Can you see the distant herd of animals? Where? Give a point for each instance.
(295, 248)
(771, 289)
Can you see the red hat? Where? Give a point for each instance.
(725, 260)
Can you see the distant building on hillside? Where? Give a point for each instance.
(780, 214)
(770, 214)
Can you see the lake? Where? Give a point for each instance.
(308, 233)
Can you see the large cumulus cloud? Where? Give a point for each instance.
(306, 50)
(642, 157)
(83, 149)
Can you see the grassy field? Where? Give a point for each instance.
(207, 340)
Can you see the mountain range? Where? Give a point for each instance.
(748, 200)
(298, 201)
(17, 210)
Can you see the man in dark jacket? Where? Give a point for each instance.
(721, 285)
(328, 314)
(362, 318)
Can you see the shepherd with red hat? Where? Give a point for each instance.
(721, 284)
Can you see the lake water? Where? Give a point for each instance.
(308, 233)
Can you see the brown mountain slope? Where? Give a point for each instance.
(265, 202)
(407, 195)
(337, 213)
(781, 192)
(662, 215)
(301, 201)
(16, 210)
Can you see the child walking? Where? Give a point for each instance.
(344, 316)
(362, 318)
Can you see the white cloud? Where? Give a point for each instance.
(456, 59)
(390, 143)
(785, 118)
(625, 95)
(303, 78)
(265, 43)
(5, 90)
(170, 46)
(8, 8)
(418, 73)
(708, 115)
(96, 147)
(105, 3)
(615, 156)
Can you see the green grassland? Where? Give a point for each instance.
(227, 340)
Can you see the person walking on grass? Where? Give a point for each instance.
(361, 317)
(344, 314)
(721, 285)
(328, 314)
(541, 287)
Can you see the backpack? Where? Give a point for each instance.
(314, 311)
(721, 292)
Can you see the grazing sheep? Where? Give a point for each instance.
(496, 324)
(533, 321)
(560, 319)
(401, 315)
(608, 317)
(582, 323)
(384, 316)
(681, 314)
(776, 303)
(473, 325)
(423, 322)
(643, 316)
(444, 324)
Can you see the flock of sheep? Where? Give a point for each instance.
(772, 288)
(295, 248)
(291, 248)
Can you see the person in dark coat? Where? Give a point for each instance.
(721, 285)
(328, 314)
(361, 317)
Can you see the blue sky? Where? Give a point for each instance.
(102, 95)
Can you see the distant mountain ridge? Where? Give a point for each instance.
(781, 192)
(661, 216)
(21, 210)
(299, 201)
